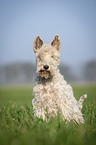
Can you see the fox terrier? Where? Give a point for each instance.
(52, 93)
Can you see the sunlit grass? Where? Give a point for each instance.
(18, 125)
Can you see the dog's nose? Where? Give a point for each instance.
(46, 67)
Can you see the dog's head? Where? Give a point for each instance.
(47, 56)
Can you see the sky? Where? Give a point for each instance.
(22, 20)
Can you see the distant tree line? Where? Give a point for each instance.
(23, 73)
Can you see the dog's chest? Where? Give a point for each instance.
(47, 88)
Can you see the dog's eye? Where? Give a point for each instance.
(53, 57)
(39, 58)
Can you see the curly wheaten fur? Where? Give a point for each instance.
(52, 93)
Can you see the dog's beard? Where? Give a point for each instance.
(45, 74)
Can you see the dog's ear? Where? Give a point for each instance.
(56, 42)
(37, 44)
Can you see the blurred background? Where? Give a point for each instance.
(22, 20)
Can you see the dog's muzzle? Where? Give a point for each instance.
(45, 72)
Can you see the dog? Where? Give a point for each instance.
(52, 93)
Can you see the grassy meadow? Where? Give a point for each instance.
(19, 127)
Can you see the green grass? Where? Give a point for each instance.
(19, 127)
